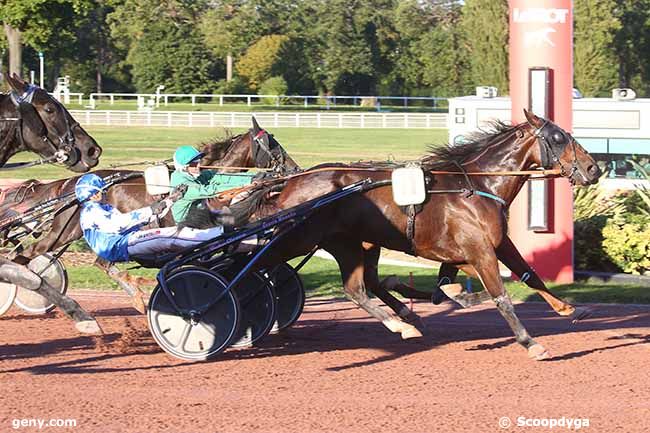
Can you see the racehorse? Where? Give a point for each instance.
(452, 227)
(31, 119)
(254, 148)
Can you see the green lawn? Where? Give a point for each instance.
(308, 146)
(322, 278)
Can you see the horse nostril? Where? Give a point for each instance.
(594, 170)
(93, 152)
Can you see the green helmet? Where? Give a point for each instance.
(184, 155)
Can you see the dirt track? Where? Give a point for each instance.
(335, 371)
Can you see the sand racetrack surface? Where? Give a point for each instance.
(336, 370)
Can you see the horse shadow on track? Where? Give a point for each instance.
(311, 334)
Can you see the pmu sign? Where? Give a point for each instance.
(541, 36)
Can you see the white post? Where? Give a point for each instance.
(112, 99)
(31, 77)
(193, 100)
(41, 69)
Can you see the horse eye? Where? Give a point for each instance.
(559, 138)
(49, 110)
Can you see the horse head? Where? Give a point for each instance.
(255, 148)
(47, 128)
(267, 152)
(559, 150)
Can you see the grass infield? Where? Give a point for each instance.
(322, 278)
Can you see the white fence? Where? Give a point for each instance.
(159, 99)
(268, 119)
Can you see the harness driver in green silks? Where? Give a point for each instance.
(201, 184)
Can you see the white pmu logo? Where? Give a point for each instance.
(537, 38)
(540, 15)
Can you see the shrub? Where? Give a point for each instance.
(626, 240)
(273, 86)
(590, 254)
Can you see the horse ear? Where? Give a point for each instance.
(15, 82)
(256, 127)
(533, 119)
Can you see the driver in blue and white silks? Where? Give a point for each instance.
(116, 236)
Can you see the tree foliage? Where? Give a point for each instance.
(595, 64)
(356, 47)
(262, 59)
(485, 31)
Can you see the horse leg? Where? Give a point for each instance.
(488, 272)
(371, 280)
(125, 281)
(446, 275)
(511, 257)
(349, 256)
(23, 277)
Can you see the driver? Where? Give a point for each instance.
(201, 184)
(115, 236)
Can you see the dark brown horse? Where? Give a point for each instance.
(32, 120)
(451, 228)
(255, 148)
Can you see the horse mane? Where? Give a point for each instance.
(360, 164)
(449, 155)
(218, 147)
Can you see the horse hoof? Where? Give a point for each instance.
(452, 290)
(438, 296)
(579, 314)
(412, 332)
(138, 303)
(89, 327)
(538, 352)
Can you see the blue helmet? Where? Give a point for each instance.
(88, 185)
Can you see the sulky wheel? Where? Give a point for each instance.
(258, 308)
(199, 335)
(53, 272)
(290, 293)
(7, 296)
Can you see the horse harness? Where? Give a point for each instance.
(265, 152)
(65, 152)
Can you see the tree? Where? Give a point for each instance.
(632, 45)
(485, 28)
(39, 24)
(432, 60)
(164, 44)
(173, 56)
(595, 60)
(261, 60)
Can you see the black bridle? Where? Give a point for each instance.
(553, 141)
(267, 152)
(65, 152)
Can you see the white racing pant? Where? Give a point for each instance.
(168, 239)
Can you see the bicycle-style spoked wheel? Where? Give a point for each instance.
(290, 293)
(7, 296)
(53, 272)
(198, 335)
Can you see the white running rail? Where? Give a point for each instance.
(266, 118)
